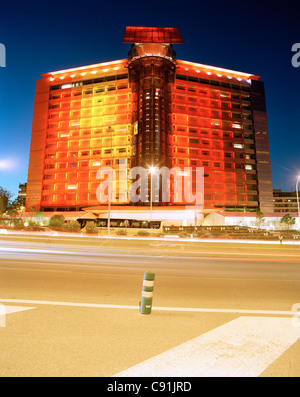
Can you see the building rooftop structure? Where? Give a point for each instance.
(145, 34)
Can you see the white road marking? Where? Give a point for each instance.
(5, 309)
(86, 253)
(245, 347)
(154, 308)
(14, 309)
(55, 303)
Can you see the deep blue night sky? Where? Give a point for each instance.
(254, 37)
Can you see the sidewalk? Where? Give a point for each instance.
(175, 238)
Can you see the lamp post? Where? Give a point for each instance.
(151, 171)
(298, 178)
(109, 186)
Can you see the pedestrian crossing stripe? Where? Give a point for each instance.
(243, 347)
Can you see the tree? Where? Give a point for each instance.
(57, 221)
(18, 204)
(12, 213)
(287, 221)
(260, 218)
(5, 197)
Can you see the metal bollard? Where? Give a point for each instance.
(147, 293)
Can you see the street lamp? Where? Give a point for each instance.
(151, 171)
(298, 178)
(109, 186)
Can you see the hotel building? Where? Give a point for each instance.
(149, 110)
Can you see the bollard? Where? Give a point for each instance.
(147, 293)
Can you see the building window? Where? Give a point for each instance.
(238, 145)
(193, 151)
(47, 177)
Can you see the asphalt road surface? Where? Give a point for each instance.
(224, 309)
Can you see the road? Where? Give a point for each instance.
(84, 297)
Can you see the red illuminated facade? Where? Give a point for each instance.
(150, 109)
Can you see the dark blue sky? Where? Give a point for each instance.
(254, 37)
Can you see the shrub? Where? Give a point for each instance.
(19, 222)
(143, 233)
(121, 232)
(90, 227)
(72, 226)
(57, 221)
(287, 221)
(34, 226)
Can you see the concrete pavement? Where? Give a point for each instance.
(102, 339)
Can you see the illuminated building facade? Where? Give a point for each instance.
(150, 109)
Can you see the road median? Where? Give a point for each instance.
(157, 246)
